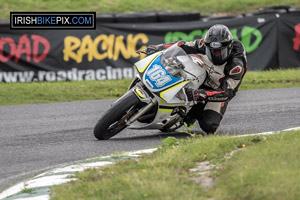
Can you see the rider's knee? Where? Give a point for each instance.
(208, 126)
(210, 121)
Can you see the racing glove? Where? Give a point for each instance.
(151, 49)
(195, 95)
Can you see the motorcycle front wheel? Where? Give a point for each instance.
(114, 119)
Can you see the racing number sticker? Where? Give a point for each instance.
(158, 74)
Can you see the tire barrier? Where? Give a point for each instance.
(178, 16)
(136, 17)
(149, 17)
(106, 18)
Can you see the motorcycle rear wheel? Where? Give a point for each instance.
(114, 119)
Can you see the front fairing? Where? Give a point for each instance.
(165, 73)
(158, 80)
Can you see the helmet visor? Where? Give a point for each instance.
(217, 56)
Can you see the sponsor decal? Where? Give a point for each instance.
(74, 74)
(215, 45)
(33, 47)
(236, 70)
(217, 99)
(197, 59)
(158, 75)
(103, 47)
(296, 39)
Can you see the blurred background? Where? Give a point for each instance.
(269, 30)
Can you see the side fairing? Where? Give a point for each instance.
(168, 95)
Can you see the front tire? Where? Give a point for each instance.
(114, 119)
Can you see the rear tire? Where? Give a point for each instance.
(110, 122)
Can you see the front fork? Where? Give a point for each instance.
(142, 112)
(145, 98)
(141, 92)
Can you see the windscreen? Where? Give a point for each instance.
(174, 59)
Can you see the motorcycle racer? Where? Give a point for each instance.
(225, 63)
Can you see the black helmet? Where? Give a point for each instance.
(218, 43)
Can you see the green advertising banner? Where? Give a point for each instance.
(271, 41)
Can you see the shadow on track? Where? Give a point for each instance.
(160, 135)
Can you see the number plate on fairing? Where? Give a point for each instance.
(157, 77)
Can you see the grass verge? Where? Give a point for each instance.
(271, 79)
(106, 6)
(26, 93)
(268, 168)
(46, 92)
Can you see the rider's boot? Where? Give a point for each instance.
(189, 122)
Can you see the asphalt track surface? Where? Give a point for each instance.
(38, 137)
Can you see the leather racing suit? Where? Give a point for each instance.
(221, 84)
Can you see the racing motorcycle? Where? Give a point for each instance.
(156, 98)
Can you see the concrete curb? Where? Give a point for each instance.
(38, 187)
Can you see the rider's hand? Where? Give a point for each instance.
(150, 50)
(195, 95)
